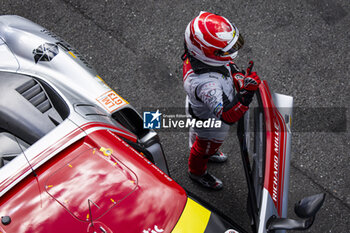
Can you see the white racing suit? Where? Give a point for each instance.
(210, 94)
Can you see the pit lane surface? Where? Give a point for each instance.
(301, 47)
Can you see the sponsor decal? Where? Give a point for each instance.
(106, 151)
(111, 101)
(218, 110)
(66, 46)
(275, 152)
(155, 229)
(45, 52)
(276, 135)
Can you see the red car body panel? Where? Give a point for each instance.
(275, 148)
(126, 191)
(52, 148)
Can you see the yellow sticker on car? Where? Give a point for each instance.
(72, 54)
(194, 218)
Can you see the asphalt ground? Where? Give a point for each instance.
(302, 48)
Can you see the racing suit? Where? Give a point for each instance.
(210, 94)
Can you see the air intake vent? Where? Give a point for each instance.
(35, 94)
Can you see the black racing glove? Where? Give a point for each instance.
(246, 97)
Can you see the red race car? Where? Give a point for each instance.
(75, 156)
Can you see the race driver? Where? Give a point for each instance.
(215, 88)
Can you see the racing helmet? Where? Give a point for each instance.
(212, 39)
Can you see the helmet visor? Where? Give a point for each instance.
(239, 43)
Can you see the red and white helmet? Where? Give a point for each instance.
(212, 39)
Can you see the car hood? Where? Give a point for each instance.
(91, 183)
(98, 182)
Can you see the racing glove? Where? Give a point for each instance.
(244, 81)
(233, 111)
(249, 82)
(246, 98)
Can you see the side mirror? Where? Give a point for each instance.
(306, 209)
(274, 224)
(308, 206)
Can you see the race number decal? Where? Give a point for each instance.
(111, 101)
